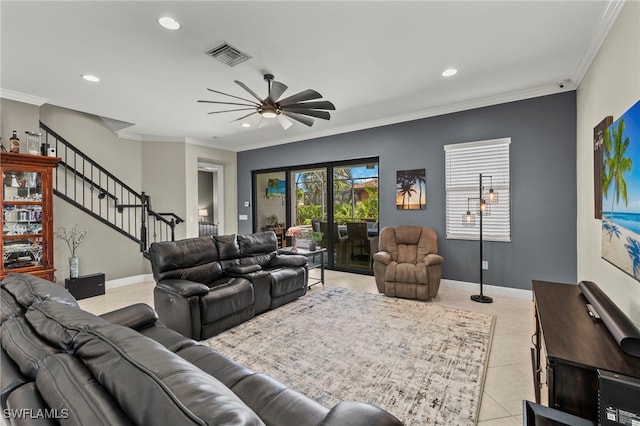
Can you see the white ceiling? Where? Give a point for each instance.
(379, 62)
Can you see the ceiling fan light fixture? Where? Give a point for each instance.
(268, 111)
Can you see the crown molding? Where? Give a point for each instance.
(598, 36)
(22, 97)
(548, 89)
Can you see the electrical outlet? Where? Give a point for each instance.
(485, 265)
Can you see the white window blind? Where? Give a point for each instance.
(464, 162)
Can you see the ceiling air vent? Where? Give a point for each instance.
(227, 54)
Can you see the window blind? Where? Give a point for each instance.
(464, 162)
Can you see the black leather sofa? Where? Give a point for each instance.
(208, 284)
(62, 365)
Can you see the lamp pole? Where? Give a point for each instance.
(481, 298)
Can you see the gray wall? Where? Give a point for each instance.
(543, 182)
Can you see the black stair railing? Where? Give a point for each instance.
(82, 182)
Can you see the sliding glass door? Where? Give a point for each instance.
(355, 214)
(339, 199)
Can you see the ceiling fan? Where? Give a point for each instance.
(295, 106)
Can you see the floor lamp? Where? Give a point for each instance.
(491, 197)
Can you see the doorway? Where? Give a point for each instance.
(210, 199)
(339, 199)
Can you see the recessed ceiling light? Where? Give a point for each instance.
(169, 23)
(449, 72)
(90, 77)
(246, 125)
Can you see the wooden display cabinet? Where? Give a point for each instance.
(27, 214)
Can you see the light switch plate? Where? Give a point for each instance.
(243, 217)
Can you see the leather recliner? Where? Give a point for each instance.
(209, 284)
(407, 264)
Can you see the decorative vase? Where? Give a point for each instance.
(74, 267)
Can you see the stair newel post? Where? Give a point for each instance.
(172, 225)
(143, 221)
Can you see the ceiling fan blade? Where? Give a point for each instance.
(263, 122)
(244, 116)
(232, 96)
(277, 89)
(313, 105)
(245, 87)
(301, 118)
(231, 110)
(284, 122)
(310, 112)
(228, 103)
(305, 95)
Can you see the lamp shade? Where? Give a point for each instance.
(203, 212)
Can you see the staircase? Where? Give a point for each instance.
(81, 181)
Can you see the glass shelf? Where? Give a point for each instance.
(22, 253)
(21, 186)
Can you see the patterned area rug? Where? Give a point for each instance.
(422, 362)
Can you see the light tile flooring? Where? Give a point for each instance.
(509, 377)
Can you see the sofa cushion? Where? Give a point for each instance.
(27, 289)
(139, 372)
(228, 248)
(193, 259)
(10, 378)
(259, 248)
(228, 296)
(287, 280)
(9, 306)
(61, 381)
(24, 346)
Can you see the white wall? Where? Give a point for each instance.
(610, 87)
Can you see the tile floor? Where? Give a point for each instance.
(509, 378)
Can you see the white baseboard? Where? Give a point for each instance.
(489, 290)
(136, 279)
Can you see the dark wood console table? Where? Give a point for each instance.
(575, 346)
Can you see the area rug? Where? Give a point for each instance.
(422, 362)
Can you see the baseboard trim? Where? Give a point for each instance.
(136, 279)
(490, 290)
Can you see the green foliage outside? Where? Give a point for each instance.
(343, 213)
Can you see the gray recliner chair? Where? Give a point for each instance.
(407, 264)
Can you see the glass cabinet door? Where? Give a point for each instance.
(22, 219)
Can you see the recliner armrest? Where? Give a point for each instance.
(382, 257)
(243, 269)
(352, 413)
(137, 316)
(290, 260)
(433, 259)
(184, 288)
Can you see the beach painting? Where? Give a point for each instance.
(621, 193)
(411, 189)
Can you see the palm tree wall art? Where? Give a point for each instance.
(621, 193)
(411, 189)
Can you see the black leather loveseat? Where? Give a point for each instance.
(62, 365)
(208, 284)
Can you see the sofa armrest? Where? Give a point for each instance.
(433, 259)
(382, 257)
(137, 316)
(290, 260)
(243, 269)
(352, 413)
(184, 288)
